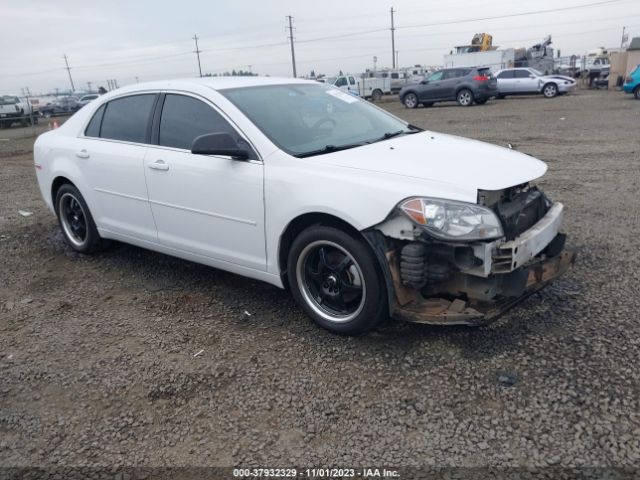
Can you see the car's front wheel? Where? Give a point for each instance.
(636, 92)
(410, 100)
(550, 90)
(465, 97)
(335, 278)
(75, 220)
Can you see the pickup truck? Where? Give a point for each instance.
(369, 88)
(13, 109)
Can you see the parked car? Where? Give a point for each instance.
(61, 106)
(632, 83)
(464, 85)
(90, 97)
(528, 81)
(14, 109)
(301, 185)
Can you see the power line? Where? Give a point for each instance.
(197, 52)
(293, 53)
(533, 12)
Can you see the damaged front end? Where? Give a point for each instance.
(450, 263)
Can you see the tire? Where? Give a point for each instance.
(550, 90)
(77, 225)
(636, 92)
(465, 97)
(376, 95)
(427, 104)
(481, 101)
(410, 100)
(336, 279)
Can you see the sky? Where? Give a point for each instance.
(140, 40)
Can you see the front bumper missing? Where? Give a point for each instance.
(411, 306)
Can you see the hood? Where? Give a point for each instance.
(442, 158)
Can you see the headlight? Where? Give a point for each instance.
(451, 220)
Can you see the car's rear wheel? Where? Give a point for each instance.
(465, 97)
(636, 92)
(410, 100)
(376, 95)
(335, 278)
(76, 222)
(550, 90)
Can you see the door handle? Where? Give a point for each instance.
(82, 153)
(159, 165)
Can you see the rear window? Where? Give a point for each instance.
(127, 118)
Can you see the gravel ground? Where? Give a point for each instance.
(97, 353)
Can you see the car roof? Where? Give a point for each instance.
(214, 83)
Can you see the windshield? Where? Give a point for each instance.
(9, 100)
(306, 119)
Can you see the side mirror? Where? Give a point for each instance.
(424, 82)
(218, 144)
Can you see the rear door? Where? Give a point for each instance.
(506, 81)
(206, 205)
(110, 155)
(451, 80)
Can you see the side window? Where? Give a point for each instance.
(522, 74)
(127, 118)
(352, 81)
(341, 82)
(395, 75)
(506, 74)
(449, 74)
(185, 118)
(93, 129)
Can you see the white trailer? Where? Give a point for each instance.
(494, 59)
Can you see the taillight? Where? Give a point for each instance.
(481, 78)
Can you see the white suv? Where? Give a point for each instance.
(299, 184)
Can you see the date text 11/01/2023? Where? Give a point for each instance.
(315, 473)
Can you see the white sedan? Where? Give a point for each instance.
(527, 81)
(301, 185)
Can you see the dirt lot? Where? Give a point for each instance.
(97, 362)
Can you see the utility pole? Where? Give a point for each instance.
(89, 86)
(293, 53)
(197, 52)
(73, 89)
(393, 41)
(623, 39)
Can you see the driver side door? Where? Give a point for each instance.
(210, 206)
(430, 90)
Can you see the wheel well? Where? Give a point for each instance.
(55, 186)
(550, 83)
(298, 224)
